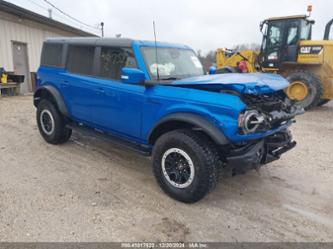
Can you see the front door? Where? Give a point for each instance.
(289, 51)
(117, 106)
(21, 65)
(272, 45)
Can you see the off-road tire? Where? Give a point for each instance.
(204, 155)
(323, 102)
(314, 85)
(60, 133)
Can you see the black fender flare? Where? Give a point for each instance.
(195, 120)
(48, 90)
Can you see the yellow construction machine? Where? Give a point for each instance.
(287, 49)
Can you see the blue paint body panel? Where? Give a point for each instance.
(131, 111)
(250, 83)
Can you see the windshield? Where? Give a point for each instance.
(274, 35)
(173, 63)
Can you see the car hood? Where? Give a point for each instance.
(244, 83)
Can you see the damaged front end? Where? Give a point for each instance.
(262, 134)
(263, 112)
(253, 155)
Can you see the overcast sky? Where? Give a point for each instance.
(202, 24)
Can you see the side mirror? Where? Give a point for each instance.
(132, 76)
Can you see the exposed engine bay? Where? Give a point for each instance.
(267, 111)
(264, 111)
(267, 105)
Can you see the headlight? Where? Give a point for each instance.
(250, 121)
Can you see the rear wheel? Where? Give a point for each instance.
(51, 123)
(185, 165)
(305, 88)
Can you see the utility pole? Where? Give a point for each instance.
(50, 13)
(102, 28)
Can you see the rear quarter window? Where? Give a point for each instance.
(52, 55)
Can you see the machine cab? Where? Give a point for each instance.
(280, 40)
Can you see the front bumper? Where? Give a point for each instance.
(254, 155)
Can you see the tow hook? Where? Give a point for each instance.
(279, 151)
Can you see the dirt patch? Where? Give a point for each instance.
(173, 229)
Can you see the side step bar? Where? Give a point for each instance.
(138, 148)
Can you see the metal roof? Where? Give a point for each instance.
(27, 14)
(287, 17)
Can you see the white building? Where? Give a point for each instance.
(22, 33)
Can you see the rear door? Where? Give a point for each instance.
(79, 82)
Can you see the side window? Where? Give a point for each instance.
(52, 55)
(113, 59)
(80, 59)
(305, 31)
(292, 35)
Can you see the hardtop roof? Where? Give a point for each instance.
(91, 41)
(116, 42)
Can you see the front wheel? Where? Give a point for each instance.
(51, 123)
(185, 165)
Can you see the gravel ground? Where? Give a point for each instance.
(92, 190)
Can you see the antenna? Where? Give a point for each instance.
(157, 73)
(50, 13)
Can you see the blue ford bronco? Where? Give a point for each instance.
(156, 98)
